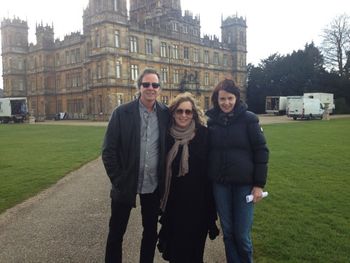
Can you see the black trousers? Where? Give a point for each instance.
(119, 221)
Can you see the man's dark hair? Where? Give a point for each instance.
(146, 72)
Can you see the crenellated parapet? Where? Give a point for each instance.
(69, 40)
(15, 22)
(234, 20)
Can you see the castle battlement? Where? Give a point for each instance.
(234, 20)
(44, 29)
(14, 22)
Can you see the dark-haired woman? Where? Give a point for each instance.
(238, 158)
(188, 204)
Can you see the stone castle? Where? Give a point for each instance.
(88, 74)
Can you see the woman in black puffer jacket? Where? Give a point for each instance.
(238, 158)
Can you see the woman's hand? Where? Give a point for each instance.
(257, 194)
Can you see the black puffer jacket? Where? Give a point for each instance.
(238, 152)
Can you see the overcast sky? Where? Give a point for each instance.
(274, 26)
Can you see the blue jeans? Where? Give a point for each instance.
(236, 218)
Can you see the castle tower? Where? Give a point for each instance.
(140, 10)
(14, 35)
(234, 35)
(44, 36)
(101, 11)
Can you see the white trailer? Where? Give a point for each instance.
(299, 107)
(276, 105)
(327, 99)
(13, 109)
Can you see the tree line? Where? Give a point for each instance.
(313, 69)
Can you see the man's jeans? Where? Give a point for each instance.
(236, 218)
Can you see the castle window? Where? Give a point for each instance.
(20, 84)
(206, 56)
(224, 59)
(67, 57)
(99, 71)
(77, 55)
(57, 59)
(133, 44)
(175, 27)
(20, 64)
(67, 80)
(97, 39)
(164, 74)
(116, 38)
(216, 58)
(176, 76)
(241, 38)
(186, 53)
(176, 51)
(185, 29)
(163, 50)
(134, 69)
(216, 79)
(149, 46)
(195, 55)
(117, 69)
(206, 78)
(58, 82)
(72, 56)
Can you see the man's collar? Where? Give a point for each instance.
(144, 108)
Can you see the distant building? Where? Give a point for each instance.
(88, 74)
(1, 93)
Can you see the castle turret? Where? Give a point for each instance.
(234, 35)
(14, 35)
(141, 10)
(44, 36)
(102, 11)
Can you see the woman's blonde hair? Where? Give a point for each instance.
(198, 114)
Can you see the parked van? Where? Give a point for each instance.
(13, 109)
(299, 107)
(327, 99)
(276, 105)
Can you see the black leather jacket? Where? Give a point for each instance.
(121, 150)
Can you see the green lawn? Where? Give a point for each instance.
(33, 157)
(305, 218)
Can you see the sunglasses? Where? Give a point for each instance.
(182, 111)
(146, 85)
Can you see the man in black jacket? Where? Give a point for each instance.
(134, 155)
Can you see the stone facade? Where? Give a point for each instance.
(88, 74)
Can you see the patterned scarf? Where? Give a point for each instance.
(182, 137)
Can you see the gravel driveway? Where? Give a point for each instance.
(68, 223)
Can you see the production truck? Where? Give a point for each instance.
(13, 109)
(327, 99)
(276, 105)
(300, 107)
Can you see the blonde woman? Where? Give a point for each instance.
(188, 203)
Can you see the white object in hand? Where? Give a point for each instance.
(250, 198)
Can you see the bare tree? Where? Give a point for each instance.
(336, 43)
